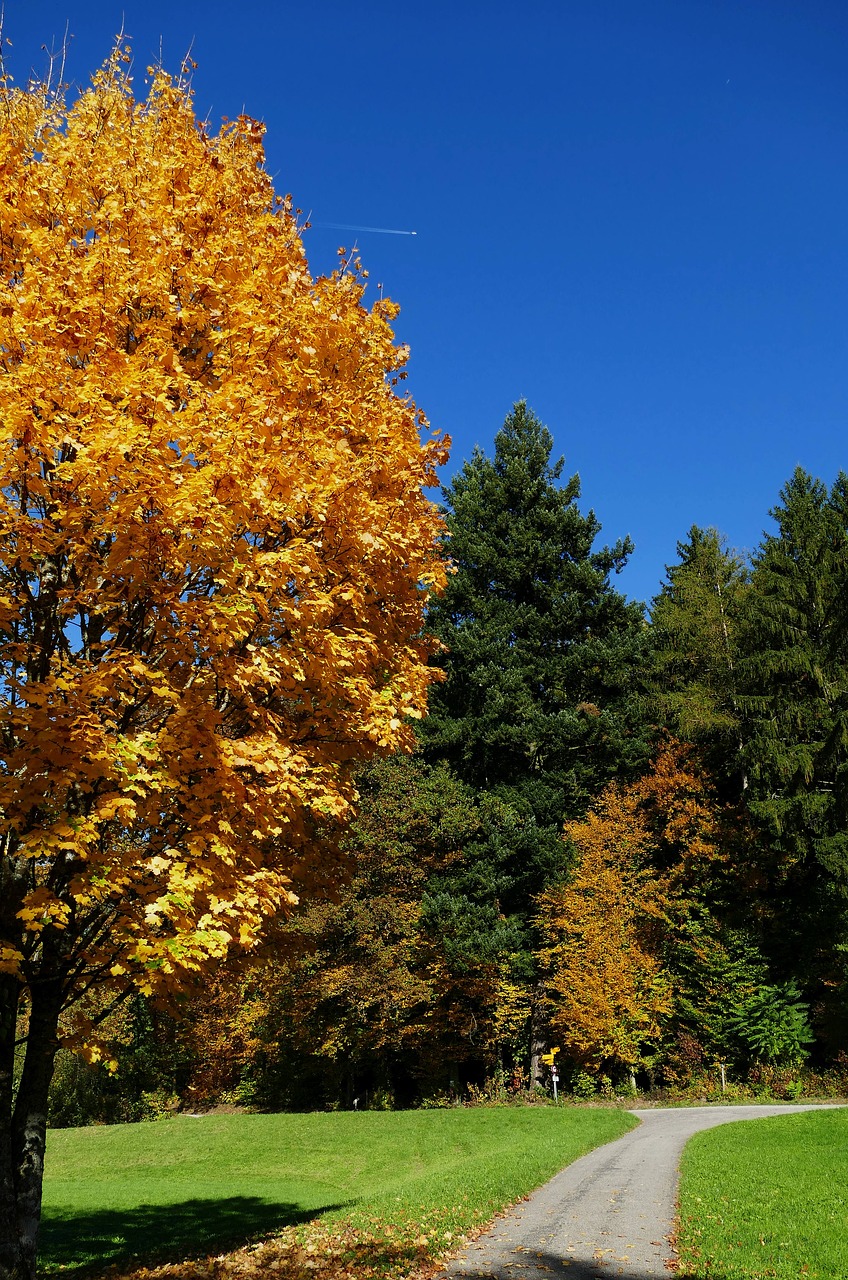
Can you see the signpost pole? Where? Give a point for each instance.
(549, 1060)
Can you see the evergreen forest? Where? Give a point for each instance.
(622, 835)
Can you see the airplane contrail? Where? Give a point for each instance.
(383, 231)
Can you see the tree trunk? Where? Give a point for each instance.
(23, 1123)
(9, 997)
(537, 1040)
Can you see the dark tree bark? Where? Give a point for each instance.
(23, 1122)
(9, 998)
(538, 1032)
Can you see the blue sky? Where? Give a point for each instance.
(631, 213)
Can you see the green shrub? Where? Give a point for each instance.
(776, 1082)
(492, 1093)
(772, 1026)
(583, 1085)
(381, 1100)
(439, 1101)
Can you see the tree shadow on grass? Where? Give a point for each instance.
(546, 1266)
(77, 1242)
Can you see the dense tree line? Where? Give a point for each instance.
(623, 830)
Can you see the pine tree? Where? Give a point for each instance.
(540, 649)
(693, 680)
(796, 685)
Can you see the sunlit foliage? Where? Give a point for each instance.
(216, 549)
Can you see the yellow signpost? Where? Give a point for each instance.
(549, 1060)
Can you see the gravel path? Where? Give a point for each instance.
(607, 1215)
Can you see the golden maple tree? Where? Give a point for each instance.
(216, 554)
(606, 989)
(649, 944)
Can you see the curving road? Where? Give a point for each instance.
(610, 1214)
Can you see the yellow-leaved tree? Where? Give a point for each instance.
(215, 558)
(606, 989)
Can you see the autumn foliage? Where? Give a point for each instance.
(216, 550)
(371, 990)
(607, 990)
(648, 945)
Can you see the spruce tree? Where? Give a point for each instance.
(540, 650)
(693, 679)
(796, 685)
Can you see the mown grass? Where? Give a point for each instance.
(402, 1182)
(767, 1198)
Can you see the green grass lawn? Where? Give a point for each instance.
(767, 1198)
(182, 1187)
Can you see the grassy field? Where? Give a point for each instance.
(389, 1187)
(767, 1199)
